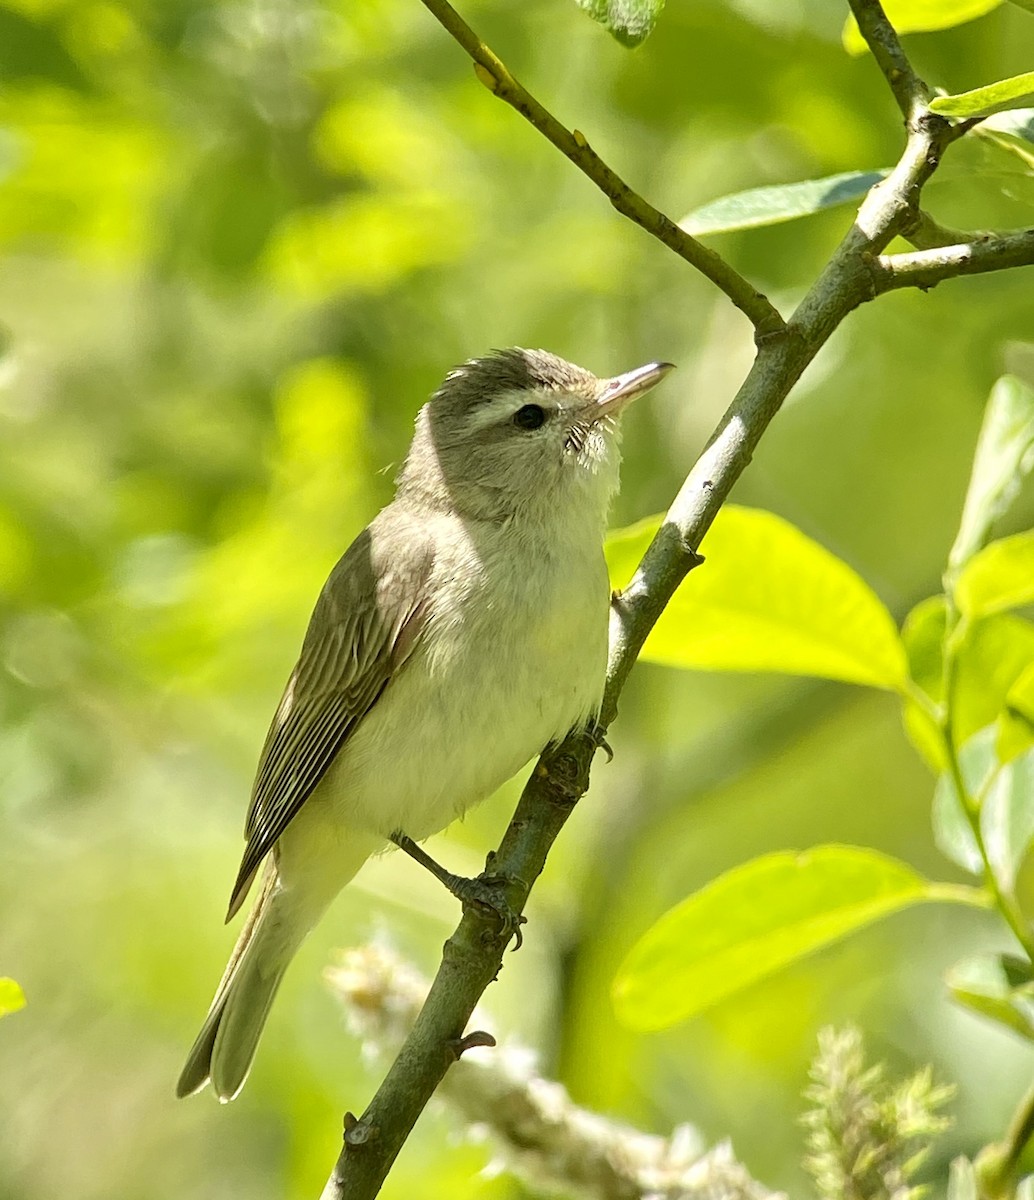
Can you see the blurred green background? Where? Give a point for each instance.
(241, 242)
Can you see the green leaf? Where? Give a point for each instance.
(951, 829)
(923, 636)
(1005, 792)
(767, 599)
(1016, 721)
(1007, 818)
(998, 986)
(1016, 92)
(783, 202)
(757, 919)
(996, 652)
(1005, 452)
(630, 21)
(999, 577)
(917, 16)
(11, 997)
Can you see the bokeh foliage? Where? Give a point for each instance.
(240, 243)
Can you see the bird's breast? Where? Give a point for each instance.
(512, 656)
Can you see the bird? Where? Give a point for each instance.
(463, 631)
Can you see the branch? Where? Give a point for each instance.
(542, 1137)
(472, 957)
(494, 74)
(927, 268)
(909, 90)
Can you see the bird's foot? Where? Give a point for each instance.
(485, 894)
(599, 739)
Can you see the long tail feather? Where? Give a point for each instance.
(226, 1044)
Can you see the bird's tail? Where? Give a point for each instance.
(279, 920)
(226, 1044)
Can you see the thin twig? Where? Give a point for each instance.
(473, 955)
(927, 268)
(909, 90)
(923, 232)
(494, 74)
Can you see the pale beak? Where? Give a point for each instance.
(623, 389)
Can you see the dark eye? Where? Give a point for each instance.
(531, 416)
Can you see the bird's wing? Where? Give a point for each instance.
(367, 622)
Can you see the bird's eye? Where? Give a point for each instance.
(530, 416)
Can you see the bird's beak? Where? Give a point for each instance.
(623, 389)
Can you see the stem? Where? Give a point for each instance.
(473, 955)
(495, 75)
(1003, 898)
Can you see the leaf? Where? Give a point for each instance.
(758, 918)
(996, 652)
(1016, 721)
(1007, 818)
(1005, 451)
(951, 829)
(917, 16)
(11, 997)
(999, 577)
(1006, 795)
(1017, 122)
(783, 202)
(630, 21)
(923, 636)
(1016, 92)
(767, 599)
(998, 986)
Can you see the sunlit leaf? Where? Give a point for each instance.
(1005, 451)
(999, 577)
(983, 101)
(630, 21)
(917, 16)
(11, 997)
(783, 202)
(923, 638)
(995, 654)
(998, 986)
(767, 599)
(758, 918)
(1016, 722)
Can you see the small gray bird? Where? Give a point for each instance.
(463, 630)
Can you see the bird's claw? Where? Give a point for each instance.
(599, 739)
(484, 895)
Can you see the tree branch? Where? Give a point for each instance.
(473, 955)
(927, 268)
(909, 90)
(539, 1133)
(494, 74)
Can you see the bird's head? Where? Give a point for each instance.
(523, 431)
